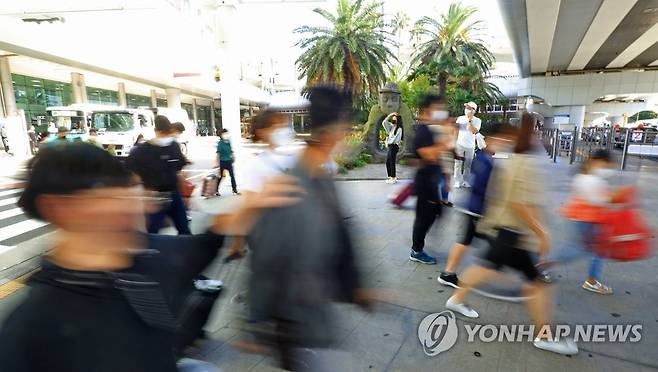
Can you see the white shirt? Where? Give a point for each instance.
(466, 138)
(264, 166)
(593, 189)
(394, 136)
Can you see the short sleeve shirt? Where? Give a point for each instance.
(466, 138)
(264, 166)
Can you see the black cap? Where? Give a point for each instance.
(329, 104)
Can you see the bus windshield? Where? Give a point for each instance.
(112, 121)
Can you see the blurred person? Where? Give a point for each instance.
(514, 225)
(179, 128)
(225, 160)
(500, 137)
(112, 149)
(3, 136)
(44, 138)
(158, 163)
(62, 132)
(270, 128)
(52, 128)
(395, 135)
(302, 256)
(107, 297)
(469, 126)
(34, 141)
(429, 148)
(93, 138)
(591, 194)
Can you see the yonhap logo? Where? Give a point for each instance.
(437, 332)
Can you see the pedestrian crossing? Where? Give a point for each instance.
(15, 226)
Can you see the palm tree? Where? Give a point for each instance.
(450, 42)
(400, 23)
(353, 51)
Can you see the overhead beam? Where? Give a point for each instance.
(610, 14)
(542, 19)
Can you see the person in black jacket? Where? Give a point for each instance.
(108, 298)
(157, 163)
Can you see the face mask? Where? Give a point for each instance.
(440, 115)
(604, 173)
(162, 142)
(225, 137)
(281, 136)
(468, 112)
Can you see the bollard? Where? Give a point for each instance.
(574, 145)
(556, 144)
(624, 153)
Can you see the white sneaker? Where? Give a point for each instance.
(564, 347)
(466, 184)
(456, 185)
(389, 181)
(463, 309)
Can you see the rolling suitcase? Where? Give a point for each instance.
(209, 187)
(404, 194)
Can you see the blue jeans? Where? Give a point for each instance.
(175, 209)
(443, 188)
(581, 247)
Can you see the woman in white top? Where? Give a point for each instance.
(270, 128)
(393, 126)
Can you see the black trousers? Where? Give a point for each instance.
(428, 206)
(391, 159)
(227, 165)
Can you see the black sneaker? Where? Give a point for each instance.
(449, 279)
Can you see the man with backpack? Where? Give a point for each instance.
(157, 163)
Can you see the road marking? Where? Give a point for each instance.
(20, 228)
(10, 192)
(10, 213)
(8, 201)
(14, 285)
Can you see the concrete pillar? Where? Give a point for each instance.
(225, 28)
(78, 88)
(195, 113)
(154, 99)
(212, 129)
(8, 104)
(173, 98)
(121, 90)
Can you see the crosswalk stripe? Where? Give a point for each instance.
(10, 192)
(8, 201)
(10, 213)
(20, 228)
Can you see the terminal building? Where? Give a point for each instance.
(143, 53)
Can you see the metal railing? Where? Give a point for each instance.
(639, 147)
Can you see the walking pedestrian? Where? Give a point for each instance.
(469, 126)
(429, 148)
(395, 135)
(513, 223)
(500, 138)
(225, 160)
(157, 163)
(116, 298)
(591, 195)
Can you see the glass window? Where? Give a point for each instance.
(112, 121)
(161, 102)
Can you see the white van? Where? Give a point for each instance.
(122, 127)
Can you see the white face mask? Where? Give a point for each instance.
(225, 137)
(440, 115)
(162, 142)
(281, 136)
(468, 112)
(604, 173)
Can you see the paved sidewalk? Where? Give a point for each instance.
(387, 339)
(376, 172)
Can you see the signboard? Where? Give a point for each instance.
(561, 119)
(637, 136)
(64, 113)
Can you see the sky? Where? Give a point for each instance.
(268, 27)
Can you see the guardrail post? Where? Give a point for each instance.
(574, 145)
(624, 153)
(556, 144)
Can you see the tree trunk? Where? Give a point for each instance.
(443, 82)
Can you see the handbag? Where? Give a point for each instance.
(624, 235)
